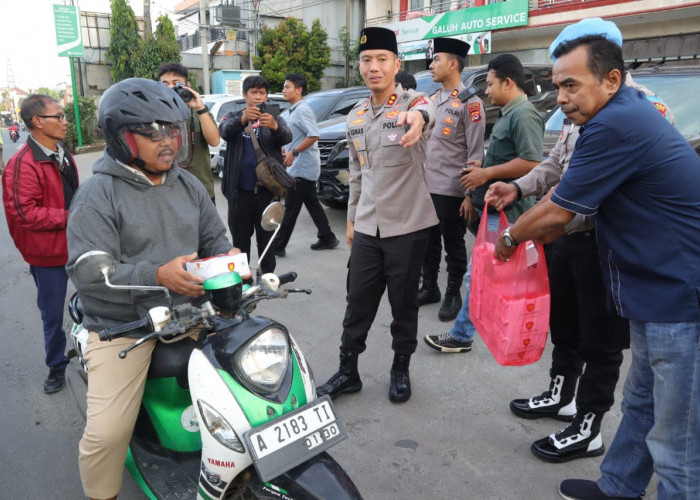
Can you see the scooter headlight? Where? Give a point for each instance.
(218, 427)
(263, 361)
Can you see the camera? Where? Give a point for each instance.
(273, 109)
(184, 94)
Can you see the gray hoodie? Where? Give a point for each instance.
(143, 227)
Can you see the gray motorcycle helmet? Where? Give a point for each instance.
(138, 101)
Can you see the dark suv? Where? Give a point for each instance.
(676, 85)
(333, 187)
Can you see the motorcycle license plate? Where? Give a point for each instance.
(292, 439)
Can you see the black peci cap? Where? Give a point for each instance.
(451, 46)
(378, 39)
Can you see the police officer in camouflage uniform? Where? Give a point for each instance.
(457, 141)
(390, 214)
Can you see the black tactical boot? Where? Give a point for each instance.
(429, 293)
(581, 439)
(347, 379)
(453, 300)
(558, 402)
(400, 387)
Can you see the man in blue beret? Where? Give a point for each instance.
(637, 176)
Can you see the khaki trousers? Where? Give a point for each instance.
(115, 389)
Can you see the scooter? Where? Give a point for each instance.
(14, 134)
(232, 414)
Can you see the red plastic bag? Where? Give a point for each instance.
(509, 301)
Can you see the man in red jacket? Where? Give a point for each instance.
(37, 187)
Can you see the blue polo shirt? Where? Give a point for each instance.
(641, 179)
(302, 122)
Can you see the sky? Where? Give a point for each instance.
(28, 39)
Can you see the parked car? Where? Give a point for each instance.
(332, 185)
(328, 104)
(676, 85)
(231, 106)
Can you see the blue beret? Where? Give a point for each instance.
(585, 27)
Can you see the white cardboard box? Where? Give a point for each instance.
(219, 264)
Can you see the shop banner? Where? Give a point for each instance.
(479, 43)
(496, 16)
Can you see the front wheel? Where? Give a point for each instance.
(312, 479)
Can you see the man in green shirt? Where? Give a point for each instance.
(203, 129)
(515, 148)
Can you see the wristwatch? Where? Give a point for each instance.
(295, 152)
(203, 110)
(508, 239)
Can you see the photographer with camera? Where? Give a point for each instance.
(247, 197)
(203, 131)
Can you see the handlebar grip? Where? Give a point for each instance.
(287, 277)
(118, 331)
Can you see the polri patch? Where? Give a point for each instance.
(417, 102)
(474, 111)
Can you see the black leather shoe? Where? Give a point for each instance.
(346, 379)
(583, 489)
(339, 383)
(325, 244)
(450, 307)
(428, 295)
(55, 381)
(400, 387)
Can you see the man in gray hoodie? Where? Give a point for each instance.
(152, 217)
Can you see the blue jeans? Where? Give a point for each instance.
(463, 329)
(660, 428)
(51, 285)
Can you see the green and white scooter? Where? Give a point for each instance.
(231, 414)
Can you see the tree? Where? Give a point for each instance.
(125, 40)
(156, 50)
(88, 123)
(291, 48)
(49, 92)
(350, 49)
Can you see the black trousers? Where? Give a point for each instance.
(244, 217)
(451, 230)
(303, 194)
(584, 330)
(377, 264)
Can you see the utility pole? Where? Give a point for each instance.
(347, 27)
(147, 30)
(205, 44)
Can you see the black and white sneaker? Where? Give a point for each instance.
(558, 402)
(581, 439)
(445, 343)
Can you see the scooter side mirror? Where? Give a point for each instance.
(272, 216)
(271, 221)
(94, 267)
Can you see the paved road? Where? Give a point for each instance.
(455, 438)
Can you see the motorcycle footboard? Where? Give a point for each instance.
(319, 478)
(167, 474)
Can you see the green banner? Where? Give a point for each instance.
(479, 43)
(491, 17)
(69, 36)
